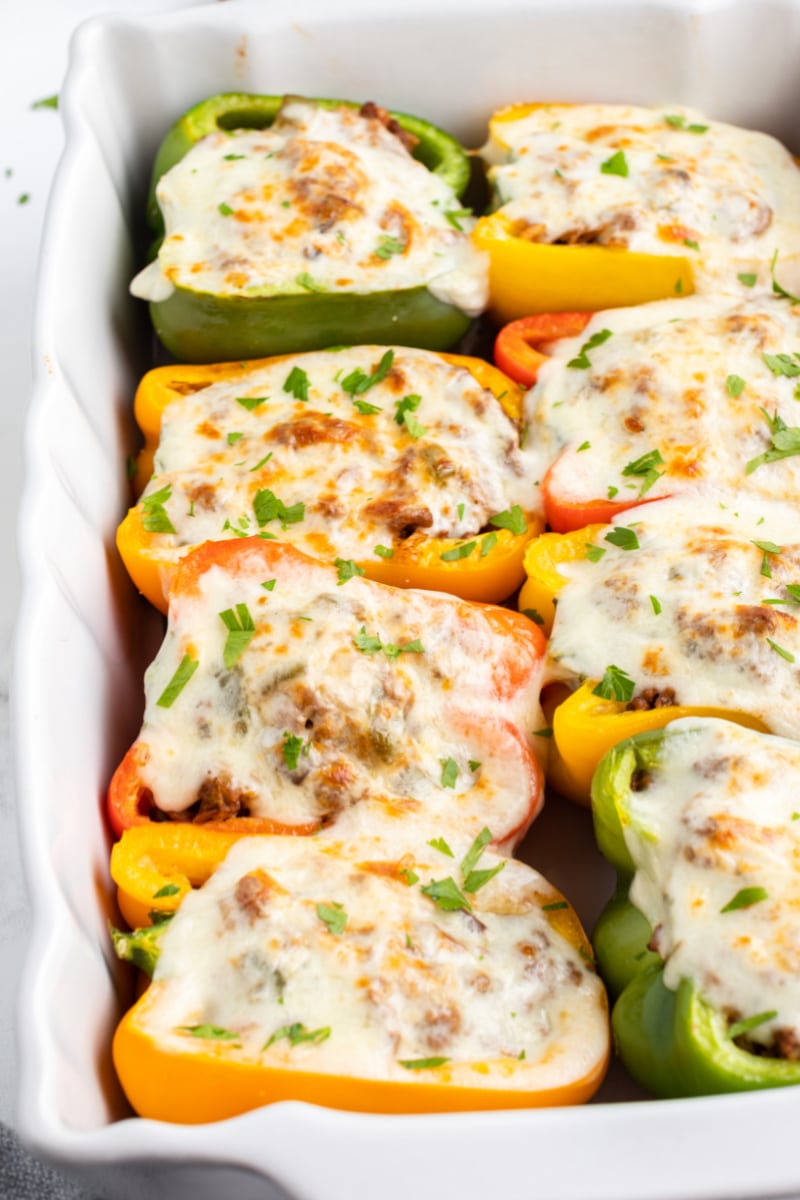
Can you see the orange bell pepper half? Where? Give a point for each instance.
(486, 566)
(585, 725)
(518, 347)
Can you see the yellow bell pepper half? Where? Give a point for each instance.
(585, 725)
(531, 277)
(490, 573)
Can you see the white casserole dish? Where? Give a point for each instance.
(84, 638)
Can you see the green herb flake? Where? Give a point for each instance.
(678, 287)
(734, 386)
(267, 507)
(547, 732)
(384, 552)
(594, 553)
(782, 364)
(488, 543)
(534, 615)
(787, 654)
(334, 916)
(186, 669)
(365, 408)
(677, 122)
(233, 438)
(745, 898)
(616, 165)
(241, 631)
(767, 548)
(512, 519)
(455, 216)
(555, 906)
(441, 845)
(458, 552)
(297, 1033)
(155, 518)
(214, 1033)
(411, 877)
(367, 643)
(693, 245)
(305, 281)
(225, 209)
(232, 157)
(358, 381)
(347, 569)
(296, 384)
(582, 362)
(408, 404)
(644, 468)
(446, 894)
(449, 772)
(778, 288)
(784, 442)
(422, 1064)
(251, 403)
(261, 462)
(623, 537)
(46, 102)
(169, 889)
(475, 880)
(475, 851)
(696, 128)
(747, 1023)
(583, 446)
(293, 746)
(389, 246)
(747, 278)
(413, 426)
(616, 684)
(473, 765)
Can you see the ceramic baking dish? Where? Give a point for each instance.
(84, 638)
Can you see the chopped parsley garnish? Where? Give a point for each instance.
(693, 245)
(488, 543)
(267, 507)
(261, 462)
(296, 384)
(785, 442)
(582, 363)
(547, 732)
(678, 287)
(347, 569)
(233, 438)
(734, 386)
(155, 517)
(293, 746)
(473, 765)
(511, 519)
(458, 552)
(594, 553)
(422, 1064)
(745, 898)
(555, 906)
(214, 1033)
(747, 278)
(778, 288)
(449, 772)
(441, 845)
(367, 643)
(767, 548)
(679, 122)
(475, 880)
(411, 877)
(305, 281)
(446, 894)
(297, 1033)
(23, 198)
(624, 537)
(783, 364)
(413, 426)
(358, 381)
(269, 585)
(787, 654)
(241, 631)
(616, 165)
(186, 669)
(389, 246)
(645, 469)
(46, 102)
(533, 615)
(334, 916)
(748, 1023)
(612, 491)
(365, 408)
(475, 851)
(584, 446)
(169, 889)
(225, 209)
(455, 216)
(232, 157)
(408, 404)
(656, 603)
(616, 684)
(251, 403)
(384, 552)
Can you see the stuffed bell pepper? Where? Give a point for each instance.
(688, 606)
(402, 464)
(373, 974)
(600, 206)
(291, 224)
(651, 401)
(288, 695)
(702, 936)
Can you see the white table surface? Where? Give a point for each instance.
(34, 45)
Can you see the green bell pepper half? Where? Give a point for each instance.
(203, 327)
(672, 1042)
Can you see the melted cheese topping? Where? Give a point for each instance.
(690, 379)
(714, 640)
(401, 981)
(657, 181)
(409, 705)
(425, 450)
(322, 200)
(718, 816)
